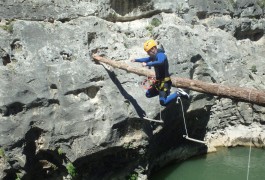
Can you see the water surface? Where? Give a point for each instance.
(225, 164)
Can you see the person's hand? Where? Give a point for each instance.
(144, 64)
(132, 60)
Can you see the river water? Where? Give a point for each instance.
(225, 164)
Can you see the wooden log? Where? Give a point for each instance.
(237, 93)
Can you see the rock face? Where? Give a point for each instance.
(62, 114)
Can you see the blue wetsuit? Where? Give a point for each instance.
(160, 64)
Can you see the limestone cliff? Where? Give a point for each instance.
(62, 115)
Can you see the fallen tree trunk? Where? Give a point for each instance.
(238, 93)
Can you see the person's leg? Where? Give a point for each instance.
(151, 92)
(164, 96)
(182, 93)
(165, 100)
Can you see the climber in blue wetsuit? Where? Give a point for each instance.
(162, 85)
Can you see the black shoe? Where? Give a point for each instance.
(182, 93)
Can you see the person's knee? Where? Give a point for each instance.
(162, 101)
(147, 94)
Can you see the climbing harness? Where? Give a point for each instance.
(148, 82)
(160, 84)
(151, 81)
(187, 135)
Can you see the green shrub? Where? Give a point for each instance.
(112, 17)
(60, 151)
(155, 22)
(18, 176)
(71, 169)
(261, 3)
(133, 176)
(233, 3)
(2, 153)
(254, 69)
(8, 28)
(150, 28)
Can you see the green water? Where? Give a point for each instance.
(226, 164)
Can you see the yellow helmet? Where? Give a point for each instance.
(149, 44)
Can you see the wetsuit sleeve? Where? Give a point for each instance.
(161, 57)
(147, 59)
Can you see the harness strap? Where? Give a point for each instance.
(161, 84)
(150, 82)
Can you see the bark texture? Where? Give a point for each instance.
(238, 93)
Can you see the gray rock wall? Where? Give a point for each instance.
(58, 106)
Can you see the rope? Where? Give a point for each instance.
(249, 95)
(183, 116)
(160, 113)
(184, 120)
(149, 119)
(160, 120)
(250, 146)
(250, 142)
(249, 157)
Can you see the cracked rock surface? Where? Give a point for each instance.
(59, 109)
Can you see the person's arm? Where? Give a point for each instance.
(161, 57)
(147, 59)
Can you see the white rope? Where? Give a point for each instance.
(160, 120)
(178, 98)
(184, 120)
(154, 120)
(183, 116)
(160, 113)
(249, 157)
(195, 140)
(249, 154)
(149, 119)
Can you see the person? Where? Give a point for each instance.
(163, 83)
